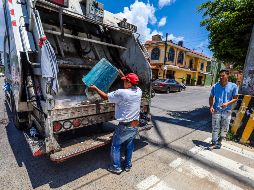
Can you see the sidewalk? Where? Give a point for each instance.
(225, 169)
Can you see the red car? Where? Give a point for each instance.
(167, 85)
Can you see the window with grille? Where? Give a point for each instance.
(171, 54)
(155, 55)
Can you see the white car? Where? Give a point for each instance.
(1, 75)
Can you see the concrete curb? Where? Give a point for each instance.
(227, 171)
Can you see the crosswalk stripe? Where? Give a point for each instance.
(161, 186)
(191, 169)
(153, 183)
(234, 149)
(224, 162)
(176, 163)
(148, 182)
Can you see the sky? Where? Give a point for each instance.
(178, 18)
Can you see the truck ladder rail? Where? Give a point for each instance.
(86, 39)
(21, 27)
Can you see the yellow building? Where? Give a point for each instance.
(182, 64)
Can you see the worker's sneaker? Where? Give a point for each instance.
(114, 170)
(127, 169)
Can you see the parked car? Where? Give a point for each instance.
(167, 85)
(1, 75)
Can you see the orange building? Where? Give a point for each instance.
(181, 63)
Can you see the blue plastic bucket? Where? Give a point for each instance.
(102, 75)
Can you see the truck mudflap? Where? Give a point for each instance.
(86, 144)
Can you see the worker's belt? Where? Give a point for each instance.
(133, 123)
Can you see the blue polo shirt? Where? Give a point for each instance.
(223, 94)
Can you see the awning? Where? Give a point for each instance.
(179, 68)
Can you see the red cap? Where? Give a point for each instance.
(133, 78)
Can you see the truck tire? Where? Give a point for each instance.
(20, 119)
(153, 93)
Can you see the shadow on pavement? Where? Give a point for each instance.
(42, 171)
(190, 119)
(198, 119)
(201, 143)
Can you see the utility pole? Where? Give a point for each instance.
(1, 59)
(165, 55)
(247, 87)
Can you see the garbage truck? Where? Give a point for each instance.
(49, 46)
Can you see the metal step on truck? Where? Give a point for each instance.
(48, 47)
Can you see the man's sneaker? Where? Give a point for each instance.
(114, 170)
(215, 146)
(221, 139)
(127, 169)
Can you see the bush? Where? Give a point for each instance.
(232, 78)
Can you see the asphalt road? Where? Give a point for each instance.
(181, 121)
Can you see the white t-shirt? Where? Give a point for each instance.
(127, 103)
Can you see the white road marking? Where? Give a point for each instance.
(153, 183)
(224, 162)
(161, 186)
(191, 170)
(176, 163)
(148, 182)
(234, 149)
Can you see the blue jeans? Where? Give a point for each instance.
(122, 135)
(220, 124)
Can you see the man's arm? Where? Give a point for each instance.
(235, 98)
(102, 94)
(211, 101)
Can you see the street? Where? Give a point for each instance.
(170, 156)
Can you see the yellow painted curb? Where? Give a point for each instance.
(240, 114)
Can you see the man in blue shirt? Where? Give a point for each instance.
(223, 95)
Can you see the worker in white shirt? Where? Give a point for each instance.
(127, 110)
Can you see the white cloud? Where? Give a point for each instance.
(163, 21)
(163, 3)
(141, 14)
(175, 38)
(203, 45)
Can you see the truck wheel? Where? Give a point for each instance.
(152, 93)
(19, 119)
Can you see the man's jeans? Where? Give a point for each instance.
(220, 123)
(122, 134)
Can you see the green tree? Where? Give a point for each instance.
(230, 24)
